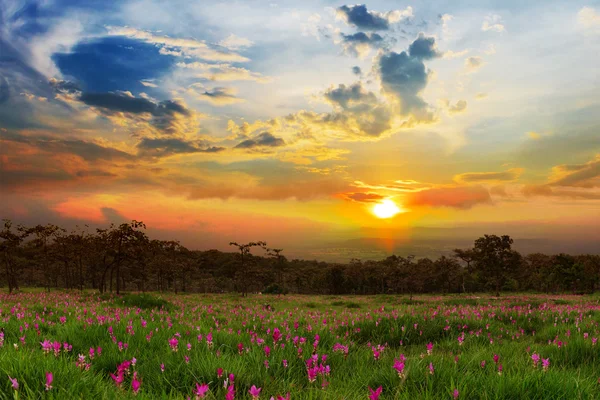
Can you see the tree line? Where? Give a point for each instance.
(123, 258)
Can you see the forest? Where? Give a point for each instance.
(123, 258)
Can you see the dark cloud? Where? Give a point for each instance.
(221, 96)
(360, 17)
(89, 151)
(404, 76)
(364, 197)
(356, 70)
(4, 90)
(349, 96)
(169, 146)
(121, 102)
(61, 86)
(423, 48)
(264, 139)
(361, 43)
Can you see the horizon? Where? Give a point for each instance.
(331, 130)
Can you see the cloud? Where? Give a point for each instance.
(585, 175)
(364, 197)
(149, 84)
(163, 147)
(481, 177)
(233, 42)
(360, 44)
(221, 96)
(178, 46)
(224, 72)
(492, 23)
(424, 48)
(473, 63)
(349, 97)
(457, 108)
(589, 19)
(404, 77)
(454, 197)
(263, 140)
(360, 17)
(481, 96)
(356, 70)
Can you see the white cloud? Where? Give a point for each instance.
(178, 46)
(492, 23)
(233, 42)
(589, 19)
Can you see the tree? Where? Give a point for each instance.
(9, 246)
(280, 262)
(244, 255)
(495, 258)
(468, 257)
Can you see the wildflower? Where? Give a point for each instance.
(118, 379)
(189, 346)
(374, 394)
(254, 392)
(536, 359)
(429, 348)
(240, 348)
(49, 379)
(267, 350)
(201, 390)
(399, 367)
(219, 372)
(162, 367)
(133, 361)
(431, 369)
(187, 359)
(173, 342)
(287, 397)
(92, 353)
(285, 363)
(14, 382)
(499, 369)
(230, 395)
(496, 358)
(545, 363)
(482, 364)
(266, 364)
(455, 394)
(135, 383)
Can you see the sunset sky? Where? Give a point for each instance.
(290, 121)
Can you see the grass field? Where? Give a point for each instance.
(312, 347)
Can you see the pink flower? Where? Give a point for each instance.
(118, 379)
(285, 363)
(230, 395)
(496, 358)
(399, 367)
(49, 379)
(374, 394)
(545, 363)
(201, 390)
(536, 359)
(14, 382)
(455, 393)
(267, 351)
(254, 392)
(482, 364)
(135, 383)
(429, 348)
(431, 369)
(500, 369)
(287, 397)
(219, 372)
(162, 367)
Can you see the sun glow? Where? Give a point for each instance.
(386, 209)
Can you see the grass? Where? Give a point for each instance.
(559, 328)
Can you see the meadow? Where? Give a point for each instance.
(73, 345)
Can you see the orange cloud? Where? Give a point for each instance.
(455, 197)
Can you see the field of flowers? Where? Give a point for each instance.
(87, 346)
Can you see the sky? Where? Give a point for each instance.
(332, 130)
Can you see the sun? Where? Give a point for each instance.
(386, 209)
